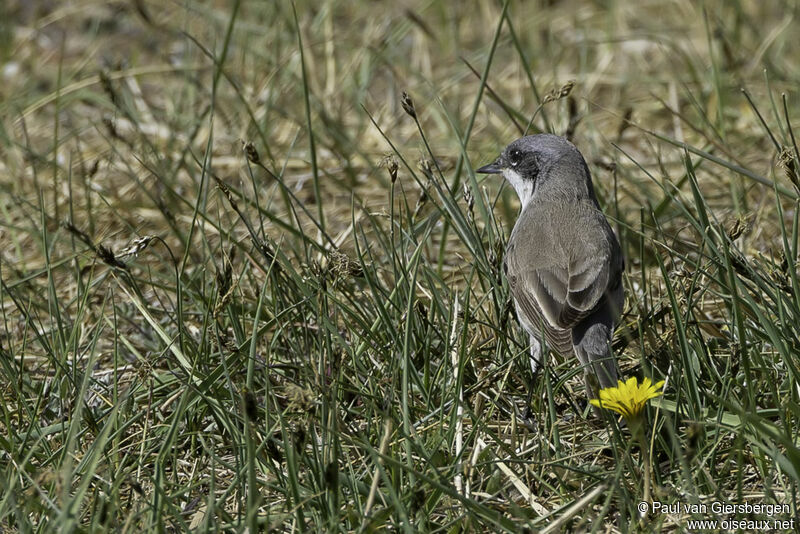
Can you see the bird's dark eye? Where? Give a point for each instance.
(514, 157)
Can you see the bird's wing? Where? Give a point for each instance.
(557, 291)
(587, 282)
(537, 304)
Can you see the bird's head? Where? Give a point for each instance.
(543, 164)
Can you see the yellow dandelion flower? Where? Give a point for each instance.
(628, 398)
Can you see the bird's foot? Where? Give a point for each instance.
(529, 420)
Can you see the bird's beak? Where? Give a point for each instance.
(492, 168)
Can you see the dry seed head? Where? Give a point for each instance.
(508, 311)
(250, 152)
(107, 255)
(341, 266)
(425, 166)
(468, 196)
(787, 160)
(421, 201)
(225, 290)
(610, 166)
(390, 162)
(559, 93)
(408, 105)
(470, 200)
(738, 227)
(785, 156)
(300, 397)
(144, 370)
(227, 192)
(102, 252)
(108, 88)
(566, 89)
(137, 246)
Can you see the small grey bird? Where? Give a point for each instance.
(563, 262)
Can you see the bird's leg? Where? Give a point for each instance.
(536, 362)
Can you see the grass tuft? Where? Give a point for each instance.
(249, 280)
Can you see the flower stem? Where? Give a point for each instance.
(638, 432)
(646, 466)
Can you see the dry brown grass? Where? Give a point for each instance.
(134, 401)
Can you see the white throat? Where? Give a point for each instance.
(524, 188)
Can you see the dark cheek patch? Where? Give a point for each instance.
(531, 170)
(530, 166)
(533, 165)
